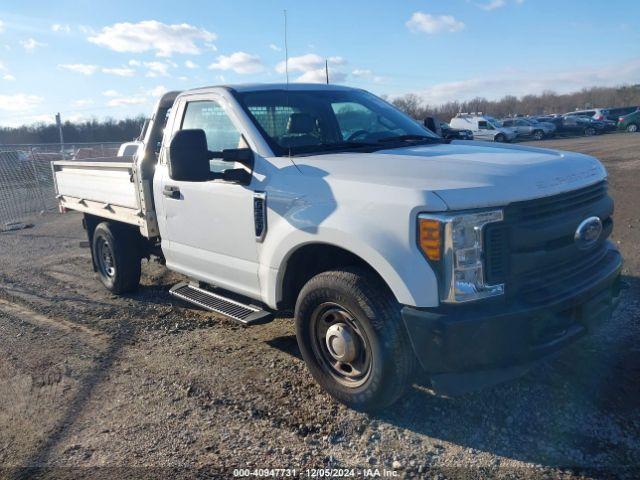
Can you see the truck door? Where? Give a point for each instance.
(210, 234)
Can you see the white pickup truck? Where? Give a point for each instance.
(393, 247)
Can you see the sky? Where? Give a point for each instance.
(99, 59)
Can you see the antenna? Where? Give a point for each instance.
(286, 48)
(326, 69)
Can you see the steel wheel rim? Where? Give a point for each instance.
(330, 325)
(632, 128)
(105, 260)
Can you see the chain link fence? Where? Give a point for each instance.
(26, 181)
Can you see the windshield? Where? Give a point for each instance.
(496, 123)
(316, 121)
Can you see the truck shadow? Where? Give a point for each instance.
(550, 415)
(38, 462)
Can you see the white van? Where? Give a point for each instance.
(483, 127)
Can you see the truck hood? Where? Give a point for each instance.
(463, 174)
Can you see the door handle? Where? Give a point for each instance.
(171, 191)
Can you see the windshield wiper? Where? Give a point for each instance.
(411, 138)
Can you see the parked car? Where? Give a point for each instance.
(483, 127)
(616, 113)
(630, 122)
(595, 113)
(445, 130)
(394, 249)
(573, 125)
(530, 128)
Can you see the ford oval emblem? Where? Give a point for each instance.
(588, 232)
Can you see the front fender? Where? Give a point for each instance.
(400, 265)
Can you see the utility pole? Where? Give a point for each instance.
(326, 69)
(59, 124)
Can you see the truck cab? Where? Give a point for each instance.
(394, 249)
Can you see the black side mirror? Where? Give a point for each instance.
(240, 155)
(189, 156)
(432, 124)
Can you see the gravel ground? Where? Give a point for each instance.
(144, 386)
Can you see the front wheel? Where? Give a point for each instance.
(116, 257)
(538, 134)
(500, 138)
(590, 131)
(351, 336)
(632, 128)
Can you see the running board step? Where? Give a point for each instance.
(240, 312)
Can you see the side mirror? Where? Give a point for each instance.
(189, 156)
(240, 155)
(432, 124)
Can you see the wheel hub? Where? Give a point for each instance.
(341, 343)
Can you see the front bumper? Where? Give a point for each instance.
(493, 336)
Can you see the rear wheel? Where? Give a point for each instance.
(632, 128)
(116, 255)
(352, 338)
(538, 134)
(500, 138)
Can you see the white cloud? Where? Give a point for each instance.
(17, 102)
(135, 63)
(2, 66)
(110, 93)
(425, 23)
(151, 35)
(57, 27)
(82, 68)
(239, 62)
(31, 44)
(275, 47)
(320, 76)
(86, 30)
(1, 26)
(190, 64)
(157, 69)
(157, 91)
(312, 67)
(83, 102)
(361, 72)
(523, 82)
(127, 101)
(493, 4)
(120, 71)
(308, 62)
(8, 77)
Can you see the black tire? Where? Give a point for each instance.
(500, 138)
(116, 255)
(632, 128)
(373, 315)
(538, 134)
(590, 131)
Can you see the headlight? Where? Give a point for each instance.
(454, 244)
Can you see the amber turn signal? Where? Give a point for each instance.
(430, 238)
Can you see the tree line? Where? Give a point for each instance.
(546, 103)
(111, 130)
(91, 131)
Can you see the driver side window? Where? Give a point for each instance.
(354, 117)
(220, 131)
(484, 125)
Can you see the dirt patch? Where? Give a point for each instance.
(144, 385)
